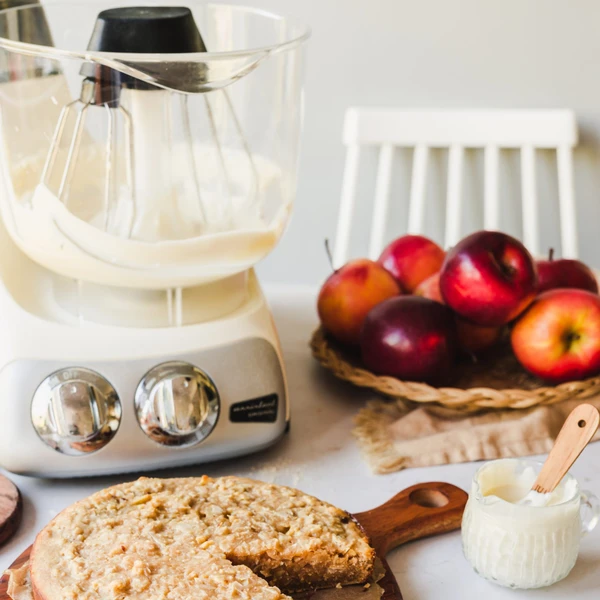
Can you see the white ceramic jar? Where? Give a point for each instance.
(523, 546)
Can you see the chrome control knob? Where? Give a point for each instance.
(76, 411)
(177, 404)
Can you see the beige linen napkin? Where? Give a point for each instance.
(394, 435)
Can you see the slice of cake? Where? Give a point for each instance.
(196, 538)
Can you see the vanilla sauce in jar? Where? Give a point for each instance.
(515, 545)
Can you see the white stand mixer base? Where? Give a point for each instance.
(240, 352)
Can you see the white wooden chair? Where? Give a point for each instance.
(457, 130)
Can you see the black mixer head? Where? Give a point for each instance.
(146, 30)
(141, 30)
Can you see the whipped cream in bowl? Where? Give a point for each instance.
(522, 546)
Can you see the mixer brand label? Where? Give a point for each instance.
(257, 410)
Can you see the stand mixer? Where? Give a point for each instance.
(148, 161)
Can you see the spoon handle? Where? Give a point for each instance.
(577, 431)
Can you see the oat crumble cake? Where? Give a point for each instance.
(197, 538)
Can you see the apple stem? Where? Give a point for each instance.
(551, 254)
(329, 255)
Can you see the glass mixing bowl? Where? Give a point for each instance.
(150, 170)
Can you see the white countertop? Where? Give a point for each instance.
(321, 457)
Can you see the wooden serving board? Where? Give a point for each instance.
(11, 509)
(417, 512)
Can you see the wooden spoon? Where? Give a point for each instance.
(578, 429)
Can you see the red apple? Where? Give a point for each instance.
(476, 338)
(488, 278)
(409, 337)
(349, 294)
(411, 259)
(430, 288)
(565, 273)
(558, 338)
(472, 338)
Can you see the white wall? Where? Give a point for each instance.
(437, 53)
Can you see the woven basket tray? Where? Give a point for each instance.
(497, 381)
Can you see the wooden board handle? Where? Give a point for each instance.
(419, 511)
